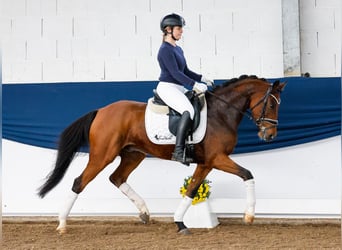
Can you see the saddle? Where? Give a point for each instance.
(174, 116)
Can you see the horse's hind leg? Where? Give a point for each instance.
(130, 161)
(97, 162)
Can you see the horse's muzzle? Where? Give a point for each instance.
(267, 133)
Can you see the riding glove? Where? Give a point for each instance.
(200, 88)
(210, 83)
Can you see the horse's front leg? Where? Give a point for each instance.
(200, 173)
(224, 163)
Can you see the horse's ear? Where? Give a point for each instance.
(277, 86)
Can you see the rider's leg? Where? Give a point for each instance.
(173, 96)
(182, 131)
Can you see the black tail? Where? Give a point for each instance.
(71, 140)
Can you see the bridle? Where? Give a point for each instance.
(248, 113)
(264, 100)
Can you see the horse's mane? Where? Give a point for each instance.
(235, 80)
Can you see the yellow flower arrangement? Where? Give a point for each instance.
(203, 191)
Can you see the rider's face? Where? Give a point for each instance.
(177, 32)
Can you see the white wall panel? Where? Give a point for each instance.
(5, 26)
(34, 8)
(214, 22)
(135, 46)
(315, 19)
(88, 70)
(130, 29)
(217, 67)
(41, 49)
(199, 44)
(327, 3)
(57, 70)
(271, 63)
(134, 7)
(321, 37)
(165, 7)
(261, 46)
(232, 44)
(103, 8)
(325, 42)
(147, 69)
(12, 8)
(27, 27)
(148, 23)
(230, 4)
(24, 71)
(246, 21)
(13, 50)
(103, 47)
(72, 8)
(247, 64)
(56, 27)
(63, 49)
(198, 5)
(85, 27)
(329, 66)
(121, 69)
(79, 48)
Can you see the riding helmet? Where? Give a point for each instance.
(172, 20)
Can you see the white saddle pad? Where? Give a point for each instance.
(157, 125)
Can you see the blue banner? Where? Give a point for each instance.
(36, 114)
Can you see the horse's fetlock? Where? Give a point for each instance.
(116, 181)
(76, 187)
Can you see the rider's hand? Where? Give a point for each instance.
(210, 83)
(200, 88)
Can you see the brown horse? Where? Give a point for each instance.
(119, 130)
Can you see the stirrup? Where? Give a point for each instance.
(182, 158)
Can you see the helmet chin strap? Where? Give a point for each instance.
(172, 34)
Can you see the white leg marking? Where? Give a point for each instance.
(63, 214)
(250, 196)
(134, 197)
(182, 208)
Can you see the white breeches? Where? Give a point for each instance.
(173, 95)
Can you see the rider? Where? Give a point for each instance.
(174, 77)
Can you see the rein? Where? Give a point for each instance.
(247, 113)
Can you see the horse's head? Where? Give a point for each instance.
(264, 105)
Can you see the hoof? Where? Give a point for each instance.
(184, 231)
(144, 217)
(248, 219)
(61, 230)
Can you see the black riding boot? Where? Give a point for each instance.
(184, 126)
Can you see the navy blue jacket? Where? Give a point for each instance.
(173, 66)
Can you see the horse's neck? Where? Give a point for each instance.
(230, 106)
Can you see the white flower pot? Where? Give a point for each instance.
(200, 216)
